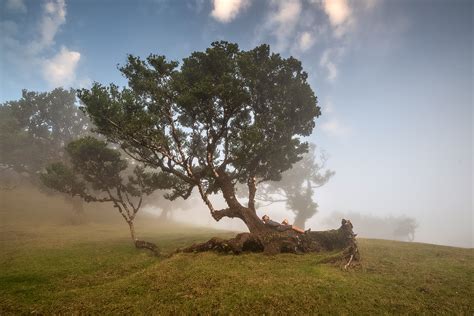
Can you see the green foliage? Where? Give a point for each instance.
(97, 174)
(35, 129)
(96, 163)
(225, 109)
(61, 178)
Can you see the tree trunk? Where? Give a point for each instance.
(77, 206)
(141, 244)
(253, 222)
(271, 241)
(274, 242)
(132, 230)
(247, 214)
(164, 214)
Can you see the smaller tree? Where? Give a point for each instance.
(96, 174)
(168, 206)
(405, 229)
(296, 188)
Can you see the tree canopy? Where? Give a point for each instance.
(97, 173)
(224, 116)
(35, 129)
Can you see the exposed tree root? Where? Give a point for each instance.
(141, 244)
(275, 242)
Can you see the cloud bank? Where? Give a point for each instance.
(227, 10)
(61, 69)
(56, 67)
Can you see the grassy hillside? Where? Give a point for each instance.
(93, 268)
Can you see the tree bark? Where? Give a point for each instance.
(273, 242)
(263, 238)
(132, 230)
(141, 244)
(247, 214)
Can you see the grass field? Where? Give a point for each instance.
(93, 268)
(50, 266)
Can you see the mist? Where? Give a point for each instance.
(26, 206)
(396, 107)
(223, 157)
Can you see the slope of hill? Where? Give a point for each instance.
(93, 268)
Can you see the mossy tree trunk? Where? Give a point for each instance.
(274, 242)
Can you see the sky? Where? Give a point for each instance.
(394, 80)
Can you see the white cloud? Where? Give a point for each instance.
(226, 10)
(38, 56)
(334, 127)
(340, 16)
(16, 6)
(343, 17)
(338, 11)
(332, 124)
(54, 15)
(61, 69)
(286, 11)
(305, 41)
(328, 63)
(282, 21)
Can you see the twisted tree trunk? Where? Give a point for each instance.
(236, 210)
(263, 238)
(141, 244)
(274, 242)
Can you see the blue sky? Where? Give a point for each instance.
(394, 79)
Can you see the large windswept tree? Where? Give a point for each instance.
(225, 116)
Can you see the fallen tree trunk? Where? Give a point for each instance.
(289, 241)
(141, 244)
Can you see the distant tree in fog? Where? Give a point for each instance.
(97, 173)
(296, 188)
(34, 131)
(405, 228)
(371, 226)
(167, 206)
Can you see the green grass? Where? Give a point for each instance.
(93, 268)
